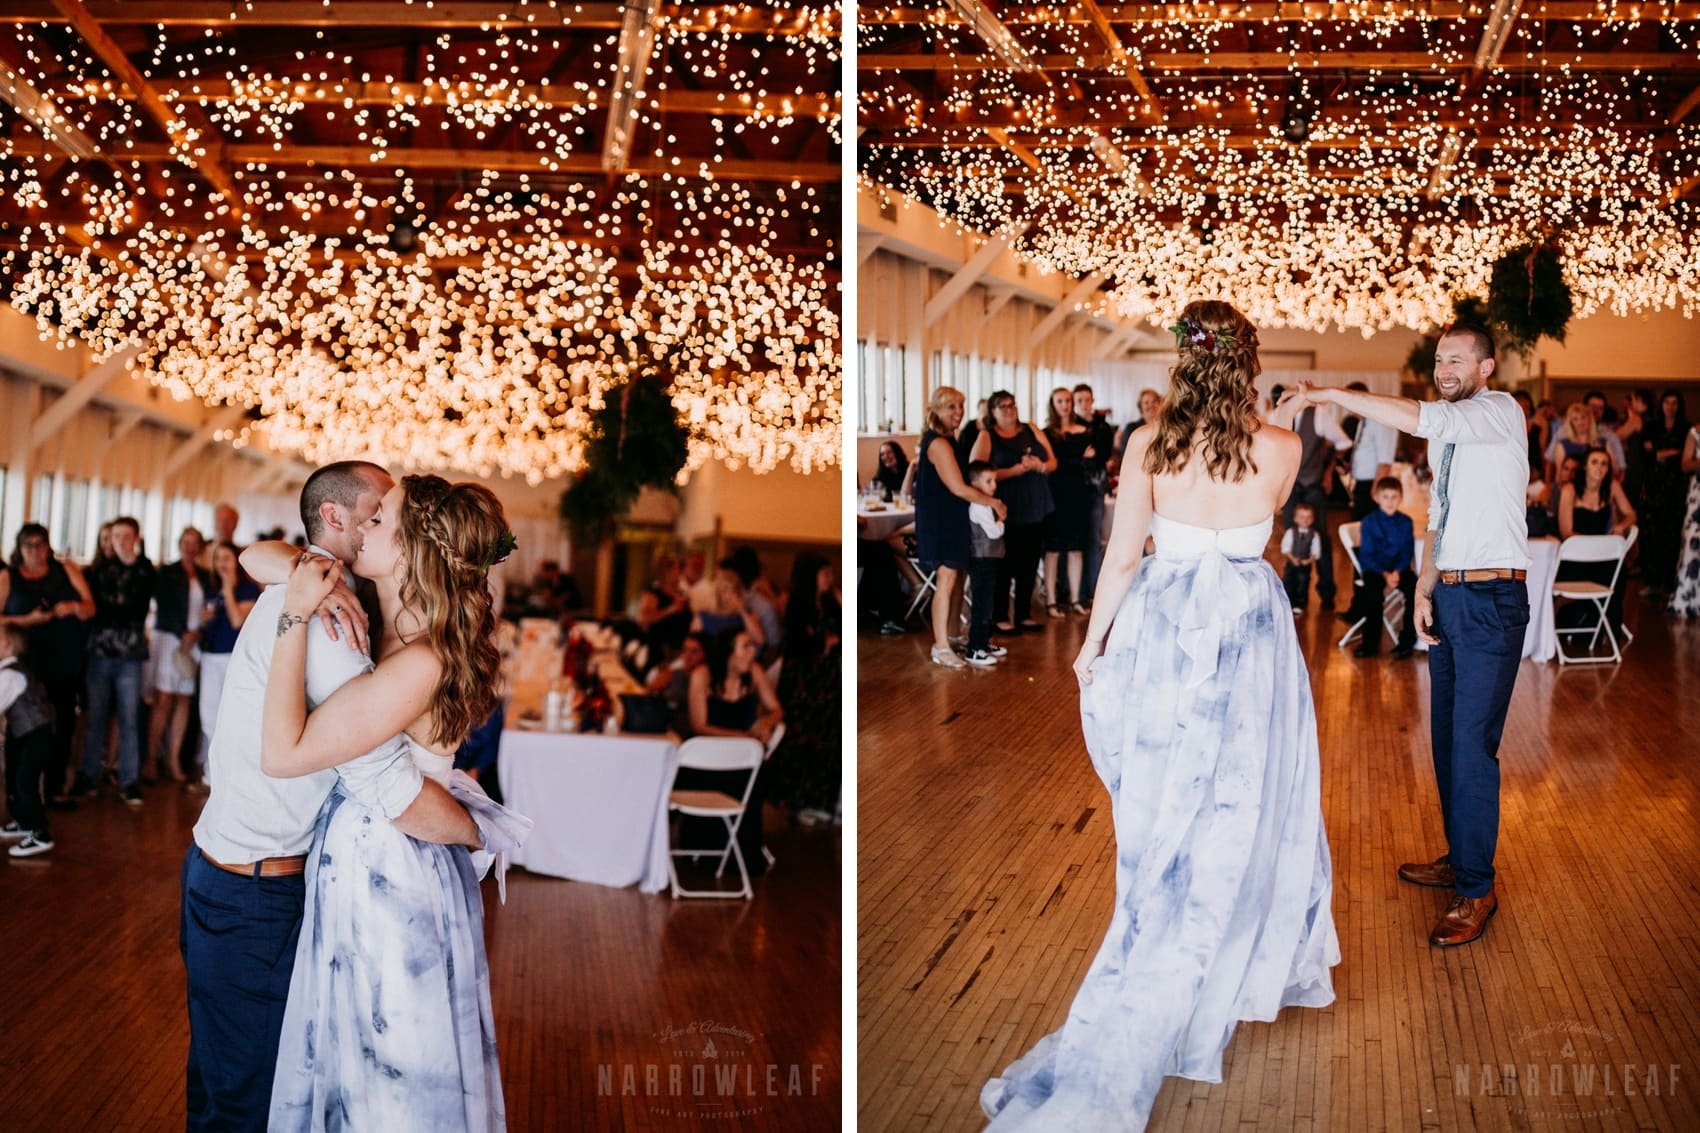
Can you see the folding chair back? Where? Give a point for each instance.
(1612, 549)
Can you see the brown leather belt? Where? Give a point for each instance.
(1454, 577)
(291, 866)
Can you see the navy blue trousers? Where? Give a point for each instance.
(237, 936)
(1471, 674)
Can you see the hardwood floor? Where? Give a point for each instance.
(986, 879)
(588, 983)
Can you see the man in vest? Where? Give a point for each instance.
(1322, 438)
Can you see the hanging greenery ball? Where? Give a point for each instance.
(1528, 296)
(636, 441)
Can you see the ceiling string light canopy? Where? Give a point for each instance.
(1325, 166)
(442, 243)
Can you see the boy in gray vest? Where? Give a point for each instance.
(985, 548)
(29, 747)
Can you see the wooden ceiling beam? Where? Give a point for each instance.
(1239, 62)
(1026, 142)
(727, 104)
(1125, 62)
(534, 162)
(1267, 11)
(778, 21)
(188, 137)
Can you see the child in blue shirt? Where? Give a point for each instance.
(1387, 544)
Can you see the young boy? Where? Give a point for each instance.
(1385, 550)
(1299, 546)
(29, 747)
(985, 541)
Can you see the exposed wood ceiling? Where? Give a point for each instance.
(1091, 121)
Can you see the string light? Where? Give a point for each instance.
(355, 308)
(1351, 228)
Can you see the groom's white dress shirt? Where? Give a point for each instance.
(251, 815)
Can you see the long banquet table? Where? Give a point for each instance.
(599, 803)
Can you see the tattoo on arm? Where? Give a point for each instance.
(287, 621)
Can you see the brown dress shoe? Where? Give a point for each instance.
(1464, 920)
(1436, 874)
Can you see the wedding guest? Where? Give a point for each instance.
(942, 497)
(729, 608)
(48, 598)
(985, 540)
(809, 763)
(1665, 436)
(1023, 461)
(1537, 449)
(225, 518)
(1592, 503)
(1065, 537)
(694, 583)
(1578, 434)
(1374, 447)
(28, 726)
(1387, 545)
(892, 475)
(663, 613)
(880, 591)
(123, 588)
(1322, 438)
(1685, 597)
(758, 596)
(1629, 434)
(1300, 547)
(1097, 466)
(730, 696)
(181, 590)
(553, 591)
(1150, 403)
(233, 596)
(671, 680)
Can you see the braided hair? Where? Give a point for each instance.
(446, 534)
(1212, 402)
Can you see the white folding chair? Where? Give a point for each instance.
(925, 591)
(1392, 602)
(715, 753)
(1592, 549)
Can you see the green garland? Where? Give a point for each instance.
(1527, 299)
(635, 441)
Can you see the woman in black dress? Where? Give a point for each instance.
(48, 598)
(1593, 504)
(1065, 538)
(1665, 493)
(730, 696)
(1024, 461)
(942, 497)
(810, 761)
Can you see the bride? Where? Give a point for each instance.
(389, 1024)
(1197, 715)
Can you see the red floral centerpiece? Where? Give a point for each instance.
(595, 704)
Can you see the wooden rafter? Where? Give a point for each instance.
(727, 104)
(777, 21)
(532, 161)
(190, 139)
(631, 70)
(1270, 11)
(1277, 62)
(1124, 62)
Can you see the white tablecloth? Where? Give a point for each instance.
(599, 802)
(884, 523)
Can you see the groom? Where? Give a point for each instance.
(243, 888)
(1472, 604)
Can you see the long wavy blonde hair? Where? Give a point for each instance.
(447, 535)
(1212, 403)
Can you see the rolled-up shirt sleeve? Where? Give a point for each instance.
(1475, 421)
(385, 778)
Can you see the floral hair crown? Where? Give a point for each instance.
(499, 551)
(1190, 332)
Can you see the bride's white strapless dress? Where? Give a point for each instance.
(1199, 720)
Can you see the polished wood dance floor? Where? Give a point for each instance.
(586, 982)
(986, 880)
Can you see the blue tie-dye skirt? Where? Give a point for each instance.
(388, 1025)
(1199, 720)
